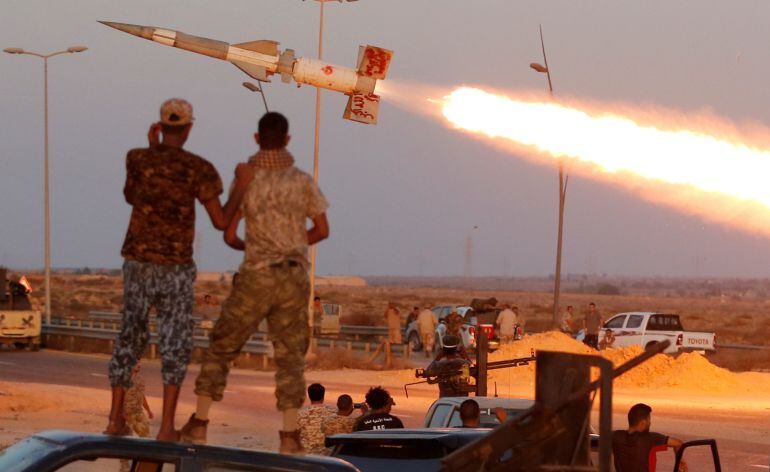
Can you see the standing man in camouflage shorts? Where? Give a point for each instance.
(273, 280)
(162, 184)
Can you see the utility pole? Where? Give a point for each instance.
(563, 180)
(46, 193)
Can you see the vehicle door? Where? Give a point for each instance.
(439, 415)
(611, 328)
(633, 332)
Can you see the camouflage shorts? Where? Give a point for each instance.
(281, 296)
(169, 288)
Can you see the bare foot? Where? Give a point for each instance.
(117, 428)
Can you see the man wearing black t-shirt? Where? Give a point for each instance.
(380, 402)
(632, 448)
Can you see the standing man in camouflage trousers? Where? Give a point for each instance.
(162, 184)
(273, 283)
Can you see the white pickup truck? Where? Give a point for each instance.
(646, 328)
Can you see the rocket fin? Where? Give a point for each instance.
(263, 46)
(254, 71)
(363, 108)
(375, 62)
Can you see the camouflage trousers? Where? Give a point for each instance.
(168, 288)
(280, 295)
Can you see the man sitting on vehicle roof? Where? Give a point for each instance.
(380, 402)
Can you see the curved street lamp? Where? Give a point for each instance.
(257, 88)
(47, 198)
(563, 181)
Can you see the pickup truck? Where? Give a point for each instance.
(646, 328)
(467, 331)
(20, 325)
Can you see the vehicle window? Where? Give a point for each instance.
(392, 449)
(616, 322)
(455, 421)
(440, 414)
(109, 464)
(664, 323)
(489, 419)
(634, 321)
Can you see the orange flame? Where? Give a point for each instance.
(706, 168)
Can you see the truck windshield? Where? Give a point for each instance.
(664, 323)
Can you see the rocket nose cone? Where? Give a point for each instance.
(136, 30)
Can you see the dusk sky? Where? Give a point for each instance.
(405, 193)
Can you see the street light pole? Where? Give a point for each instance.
(563, 180)
(316, 144)
(46, 192)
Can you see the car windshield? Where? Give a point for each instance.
(405, 449)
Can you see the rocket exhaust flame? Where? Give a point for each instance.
(707, 168)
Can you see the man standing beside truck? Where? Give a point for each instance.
(591, 324)
(426, 325)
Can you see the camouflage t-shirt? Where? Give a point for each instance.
(276, 207)
(162, 184)
(309, 421)
(338, 424)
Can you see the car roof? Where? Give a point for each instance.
(54, 442)
(490, 402)
(452, 437)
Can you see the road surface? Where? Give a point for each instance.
(249, 419)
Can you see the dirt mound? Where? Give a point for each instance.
(687, 372)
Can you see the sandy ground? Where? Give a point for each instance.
(55, 390)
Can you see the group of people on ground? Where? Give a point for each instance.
(276, 200)
(592, 323)
(318, 421)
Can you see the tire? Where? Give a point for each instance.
(20, 346)
(414, 342)
(34, 347)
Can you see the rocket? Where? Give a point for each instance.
(261, 59)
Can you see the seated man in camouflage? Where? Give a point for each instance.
(311, 417)
(344, 421)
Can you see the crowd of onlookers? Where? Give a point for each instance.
(317, 421)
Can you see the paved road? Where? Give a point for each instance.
(250, 400)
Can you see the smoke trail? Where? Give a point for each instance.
(699, 164)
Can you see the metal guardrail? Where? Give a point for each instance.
(259, 343)
(345, 330)
(346, 333)
(97, 330)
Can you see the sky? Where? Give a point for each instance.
(406, 193)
